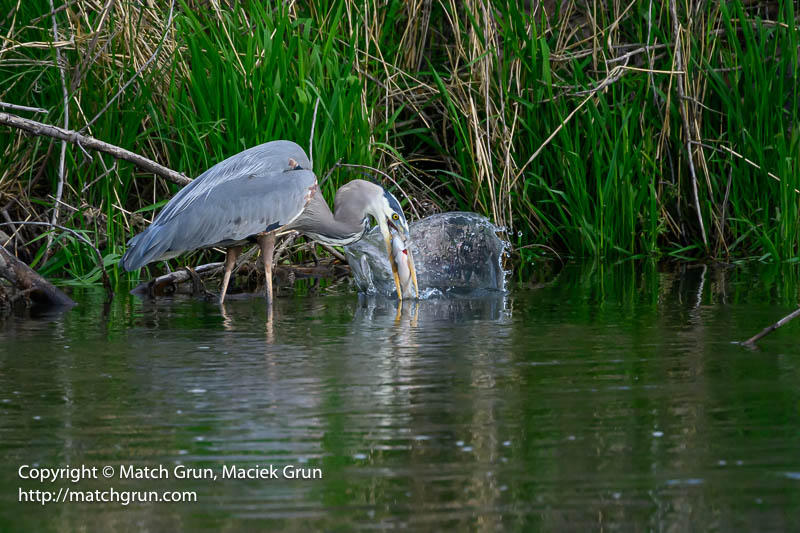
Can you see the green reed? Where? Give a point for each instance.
(454, 110)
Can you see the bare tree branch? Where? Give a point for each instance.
(39, 128)
(15, 107)
(766, 331)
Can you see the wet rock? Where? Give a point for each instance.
(453, 252)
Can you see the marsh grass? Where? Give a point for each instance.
(561, 122)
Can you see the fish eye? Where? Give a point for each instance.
(395, 217)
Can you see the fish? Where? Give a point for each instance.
(400, 258)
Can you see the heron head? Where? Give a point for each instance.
(390, 218)
(392, 213)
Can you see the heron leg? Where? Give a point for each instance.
(230, 260)
(267, 244)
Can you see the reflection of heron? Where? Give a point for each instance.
(263, 192)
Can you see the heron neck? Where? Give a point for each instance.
(318, 222)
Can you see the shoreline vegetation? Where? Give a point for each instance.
(622, 130)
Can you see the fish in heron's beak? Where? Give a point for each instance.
(403, 267)
(395, 231)
(405, 275)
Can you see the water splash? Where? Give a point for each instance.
(454, 253)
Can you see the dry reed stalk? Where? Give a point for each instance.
(62, 159)
(684, 116)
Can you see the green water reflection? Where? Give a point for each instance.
(612, 398)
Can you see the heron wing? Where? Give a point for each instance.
(240, 208)
(263, 160)
(254, 191)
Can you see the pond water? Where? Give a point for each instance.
(611, 398)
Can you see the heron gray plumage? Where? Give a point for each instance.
(263, 192)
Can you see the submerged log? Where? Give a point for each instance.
(168, 284)
(26, 280)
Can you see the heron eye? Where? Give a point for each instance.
(395, 217)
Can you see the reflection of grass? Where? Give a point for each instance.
(452, 99)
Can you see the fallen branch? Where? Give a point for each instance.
(97, 254)
(27, 280)
(766, 331)
(334, 252)
(164, 285)
(301, 272)
(46, 130)
(167, 284)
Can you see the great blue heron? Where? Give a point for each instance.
(260, 193)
